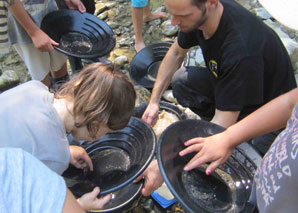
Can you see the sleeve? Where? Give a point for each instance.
(28, 185)
(240, 84)
(4, 5)
(188, 40)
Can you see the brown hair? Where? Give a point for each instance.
(199, 3)
(100, 95)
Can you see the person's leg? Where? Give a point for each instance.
(137, 20)
(60, 73)
(193, 87)
(149, 16)
(37, 63)
(141, 13)
(58, 69)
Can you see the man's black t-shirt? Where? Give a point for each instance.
(247, 58)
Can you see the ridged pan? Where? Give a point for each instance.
(226, 190)
(145, 64)
(82, 35)
(118, 158)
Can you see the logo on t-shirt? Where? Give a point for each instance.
(213, 67)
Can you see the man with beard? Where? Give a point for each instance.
(247, 66)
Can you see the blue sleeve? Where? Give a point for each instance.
(27, 185)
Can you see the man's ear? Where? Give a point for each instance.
(211, 3)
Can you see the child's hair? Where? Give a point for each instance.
(100, 95)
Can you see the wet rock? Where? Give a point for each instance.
(160, 9)
(120, 61)
(112, 24)
(262, 13)
(104, 15)
(143, 95)
(8, 79)
(290, 44)
(155, 22)
(148, 205)
(99, 8)
(125, 42)
(168, 29)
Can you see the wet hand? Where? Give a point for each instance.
(90, 201)
(150, 115)
(153, 178)
(79, 158)
(215, 149)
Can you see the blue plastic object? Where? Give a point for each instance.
(163, 202)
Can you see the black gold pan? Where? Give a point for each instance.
(81, 35)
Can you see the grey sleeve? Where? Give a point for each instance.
(27, 185)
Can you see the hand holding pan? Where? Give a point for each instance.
(81, 35)
(227, 189)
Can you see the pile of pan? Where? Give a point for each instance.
(118, 158)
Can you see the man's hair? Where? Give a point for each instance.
(100, 95)
(199, 3)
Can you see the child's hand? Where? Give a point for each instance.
(80, 158)
(90, 201)
(215, 149)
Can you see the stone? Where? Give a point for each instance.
(168, 95)
(143, 95)
(99, 8)
(262, 13)
(120, 61)
(112, 24)
(103, 15)
(168, 29)
(9, 78)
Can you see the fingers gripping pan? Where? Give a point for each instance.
(82, 35)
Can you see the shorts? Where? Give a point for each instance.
(39, 64)
(139, 3)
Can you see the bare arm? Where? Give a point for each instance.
(88, 201)
(40, 40)
(270, 117)
(170, 64)
(70, 204)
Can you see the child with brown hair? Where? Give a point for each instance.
(94, 102)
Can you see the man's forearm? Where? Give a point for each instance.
(19, 12)
(171, 63)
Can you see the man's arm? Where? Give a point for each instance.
(40, 40)
(170, 64)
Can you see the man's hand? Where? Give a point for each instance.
(153, 178)
(79, 158)
(75, 5)
(90, 201)
(150, 115)
(42, 41)
(215, 149)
